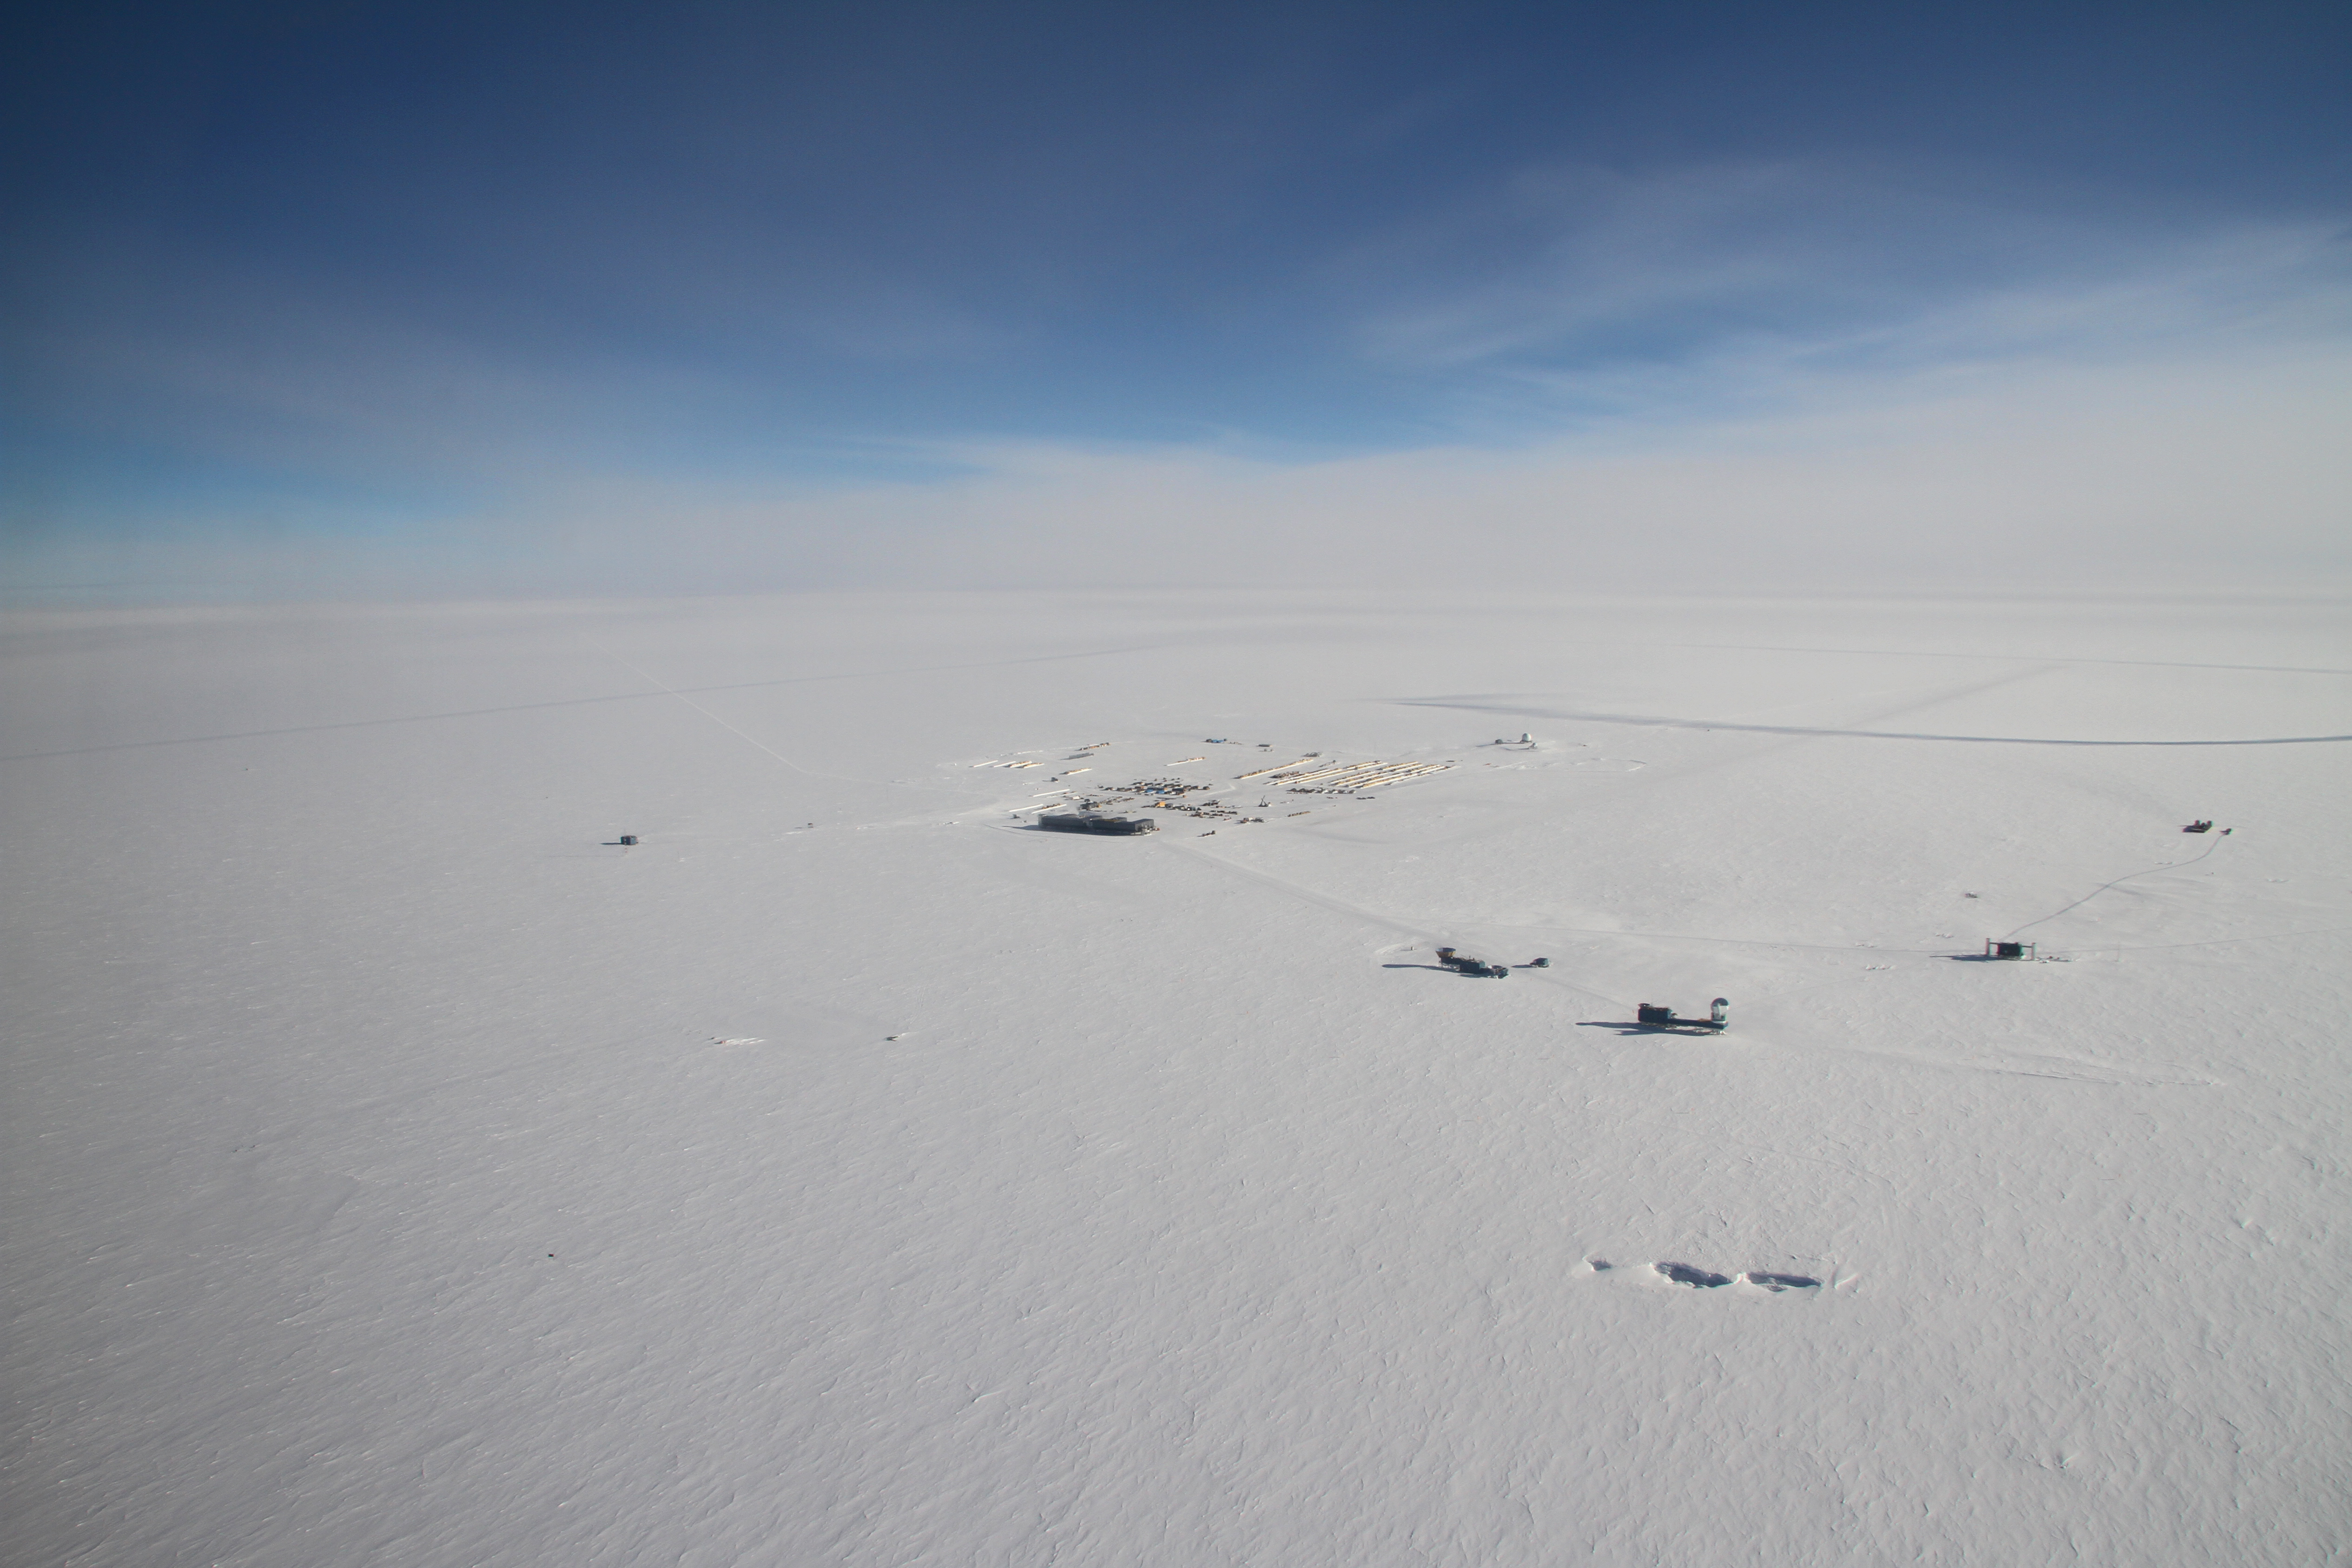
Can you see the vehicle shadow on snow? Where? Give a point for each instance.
(1626, 1027)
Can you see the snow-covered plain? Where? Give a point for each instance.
(402, 1172)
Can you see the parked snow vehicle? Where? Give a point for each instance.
(1095, 821)
(1716, 1021)
(1463, 964)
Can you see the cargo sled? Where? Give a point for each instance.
(1095, 821)
(1714, 1023)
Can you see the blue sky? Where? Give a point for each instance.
(311, 298)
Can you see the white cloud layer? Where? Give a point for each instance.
(2066, 478)
(2148, 475)
(2171, 429)
(2141, 410)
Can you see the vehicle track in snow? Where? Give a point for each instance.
(2038, 658)
(1340, 906)
(1662, 722)
(2129, 876)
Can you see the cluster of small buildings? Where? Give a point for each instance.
(1166, 794)
(1308, 774)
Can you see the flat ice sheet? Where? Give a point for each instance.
(401, 1171)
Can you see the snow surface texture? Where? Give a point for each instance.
(402, 1171)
